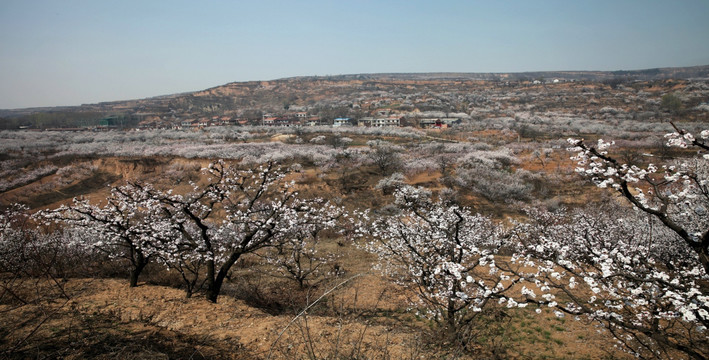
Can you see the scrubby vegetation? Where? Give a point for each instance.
(482, 241)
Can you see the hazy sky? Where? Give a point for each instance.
(69, 52)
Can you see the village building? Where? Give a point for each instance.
(280, 121)
(341, 122)
(440, 123)
(379, 122)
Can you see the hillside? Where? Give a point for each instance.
(481, 237)
(324, 98)
(158, 322)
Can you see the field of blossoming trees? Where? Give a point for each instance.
(539, 236)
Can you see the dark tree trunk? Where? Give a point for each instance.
(140, 263)
(452, 328)
(214, 283)
(212, 289)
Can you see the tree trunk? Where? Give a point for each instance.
(452, 328)
(211, 293)
(214, 283)
(704, 258)
(135, 271)
(215, 288)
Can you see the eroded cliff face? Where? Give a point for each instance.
(93, 178)
(132, 168)
(151, 169)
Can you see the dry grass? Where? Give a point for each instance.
(367, 317)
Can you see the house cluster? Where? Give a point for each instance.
(150, 121)
(379, 118)
(300, 118)
(205, 122)
(337, 122)
(379, 121)
(440, 123)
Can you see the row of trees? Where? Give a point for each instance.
(642, 274)
(624, 271)
(203, 233)
(68, 119)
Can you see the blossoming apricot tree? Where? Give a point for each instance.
(446, 254)
(235, 213)
(641, 272)
(124, 227)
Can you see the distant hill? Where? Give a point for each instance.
(691, 72)
(322, 95)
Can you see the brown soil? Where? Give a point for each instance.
(365, 318)
(107, 319)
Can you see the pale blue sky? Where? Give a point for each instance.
(69, 52)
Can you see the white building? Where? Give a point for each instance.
(379, 122)
(341, 122)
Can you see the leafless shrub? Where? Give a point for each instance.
(34, 267)
(391, 183)
(386, 158)
(27, 177)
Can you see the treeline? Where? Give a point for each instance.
(70, 119)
